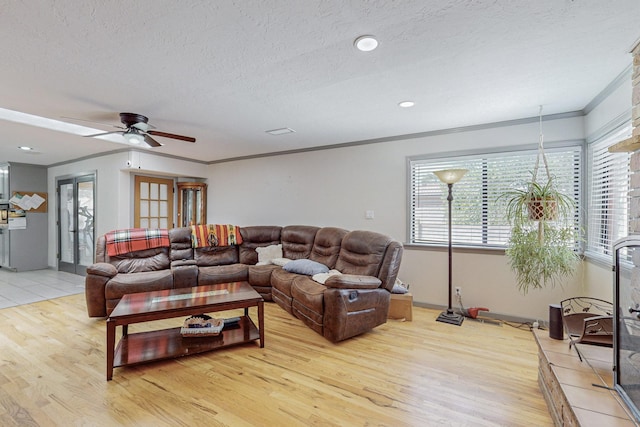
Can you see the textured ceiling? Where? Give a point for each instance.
(224, 72)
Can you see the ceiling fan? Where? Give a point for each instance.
(138, 130)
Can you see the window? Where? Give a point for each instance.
(607, 194)
(477, 214)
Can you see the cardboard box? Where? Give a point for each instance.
(401, 307)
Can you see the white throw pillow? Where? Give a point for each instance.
(268, 253)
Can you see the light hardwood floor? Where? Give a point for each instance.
(419, 373)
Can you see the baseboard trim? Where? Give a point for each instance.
(488, 314)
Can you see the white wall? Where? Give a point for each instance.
(114, 186)
(617, 104)
(335, 188)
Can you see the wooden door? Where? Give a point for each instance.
(153, 202)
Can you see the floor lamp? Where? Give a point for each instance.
(450, 177)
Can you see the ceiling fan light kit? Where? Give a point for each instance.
(133, 137)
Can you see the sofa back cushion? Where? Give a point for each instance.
(181, 247)
(362, 252)
(216, 255)
(254, 237)
(297, 241)
(326, 246)
(134, 262)
(391, 265)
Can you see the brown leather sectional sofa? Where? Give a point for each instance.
(346, 305)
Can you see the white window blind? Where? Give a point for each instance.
(607, 194)
(477, 213)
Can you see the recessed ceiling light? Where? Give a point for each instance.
(406, 104)
(25, 148)
(366, 43)
(280, 131)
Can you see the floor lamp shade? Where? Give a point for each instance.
(450, 177)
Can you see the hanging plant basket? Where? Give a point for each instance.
(542, 209)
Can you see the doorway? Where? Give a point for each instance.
(76, 239)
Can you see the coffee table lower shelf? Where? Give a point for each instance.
(143, 347)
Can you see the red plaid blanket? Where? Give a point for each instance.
(135, 239)
(215, 235)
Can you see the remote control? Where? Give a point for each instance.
(232, 321)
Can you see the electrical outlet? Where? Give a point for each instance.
(458, 291)
(536, 324)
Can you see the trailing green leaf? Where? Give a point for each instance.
(541, 250)
(539, 264)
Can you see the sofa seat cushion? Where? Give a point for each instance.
(213, 275)
(131, 283)
(260, 275)
(260, 279)
(308, 302)
(309, 293)
(281, 281)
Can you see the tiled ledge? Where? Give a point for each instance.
(579, 393)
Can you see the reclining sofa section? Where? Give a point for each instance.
(347, 304)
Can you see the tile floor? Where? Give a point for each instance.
(32, 286)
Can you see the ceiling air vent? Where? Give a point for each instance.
(280, 131)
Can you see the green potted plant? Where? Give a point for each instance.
(537, 202)
(541, 249)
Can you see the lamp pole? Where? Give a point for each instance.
(450, 177)
(450, 199)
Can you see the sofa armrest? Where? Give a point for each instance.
(352, 281)
(350, 312)
(95, 281)
(102, 269)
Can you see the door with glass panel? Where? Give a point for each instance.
(153, 202)
(76, 239)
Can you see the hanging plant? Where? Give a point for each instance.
(541, 248)
(536, 202)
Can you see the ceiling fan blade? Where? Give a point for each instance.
(171, 135)
(151, 142)
(92, 121)
(103, 133)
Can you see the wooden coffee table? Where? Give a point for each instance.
(144, 347)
